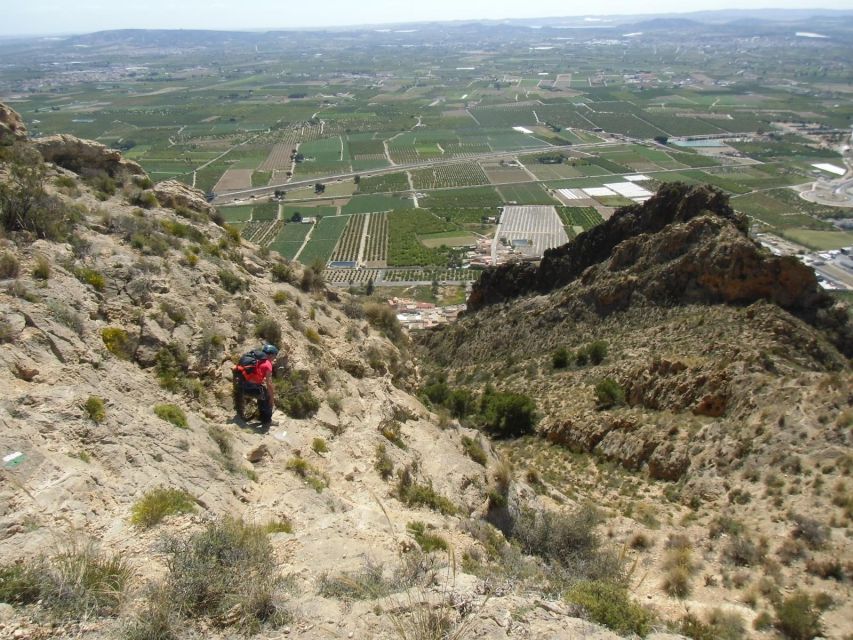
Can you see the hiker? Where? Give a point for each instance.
(253, 378)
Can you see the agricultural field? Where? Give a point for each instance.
(530, 193)
(348, 245)
(286, 112)
(385, 183)
(290, 239)
(454, 175)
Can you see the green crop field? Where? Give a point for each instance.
(290, 239)
(526, 193)
(371, 203)
(323, 239)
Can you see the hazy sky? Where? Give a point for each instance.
(22, 17)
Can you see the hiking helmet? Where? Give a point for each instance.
(271, 350)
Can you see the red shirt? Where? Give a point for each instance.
(262, 370)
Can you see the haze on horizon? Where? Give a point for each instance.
(41, 17)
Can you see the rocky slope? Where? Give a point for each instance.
(122, 310)
(728, 380)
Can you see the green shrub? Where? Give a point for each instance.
(222, 439)
(268, 330)
(173, 414)
(422, 495)
(294, 396)
(66, 315)
(25, 206)
(42, 268)
(226, 573)
(93, 278)
(77, 583)
(560, 358)
(565, 538)
(383, 464)
(797, 618)
(721, 625)
(282, 525)
(171, 366)
(175, 313)
(118, 342)
(368, 583)
(608, 394)
(313, 336)
(428, 542)
(508, 415)
(282, 272)
(20, 583)
(230, 281)
(315, 478)
(597, 351)
(280, 297)
(95, 409)
(319, 445)
(461, 403)
(384, 319)
(159, 503)
(9, 266)
(610, 604)
(474, 450)
(392, 430)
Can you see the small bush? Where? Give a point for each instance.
(282, 272)
(268, 330)
(172, 366)
(743, 552)
(227, 573)
(427, 541)
(393, 432)
(797, 618)
(597, 351)
(810, 531)
(95, 409)
(609, 604)
(319, 446)
(280, 298)
(560, 358)
(508, 415)
(294, 396)
(230, 281)
(9, 266)
(42, 268)
(222, 439)
(414, 494)
(282, 525)
(173, 414)
(67, 316)
(20, 583)
(384, 319)
(312, 335)
(93, 278)
(118, 342)
(383, 464)
(315, 478)
(368, 583)
(678, 567)
(474, 450)
(175, 313)
(721, 625)
(159, 503)
(608, 394)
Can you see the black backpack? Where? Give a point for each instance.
(248, 362)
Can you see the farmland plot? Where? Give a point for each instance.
(290, 239)
(376, 248)
(236, 214)
(371, 203)
(404, 248)
(278, 158)
(266, 211)
(233, 180)
(261, 233)
(387, 183)
(466, 198)
(348, 245)
(323, 239)
(583, 217)
(457, 175)
(525, 194)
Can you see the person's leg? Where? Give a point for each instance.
(265, 407)
(239, 400)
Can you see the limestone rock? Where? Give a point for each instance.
(85, 157)
(12, 127)
(174, 194)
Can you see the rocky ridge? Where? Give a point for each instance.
(728, 372)
(141, 308)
